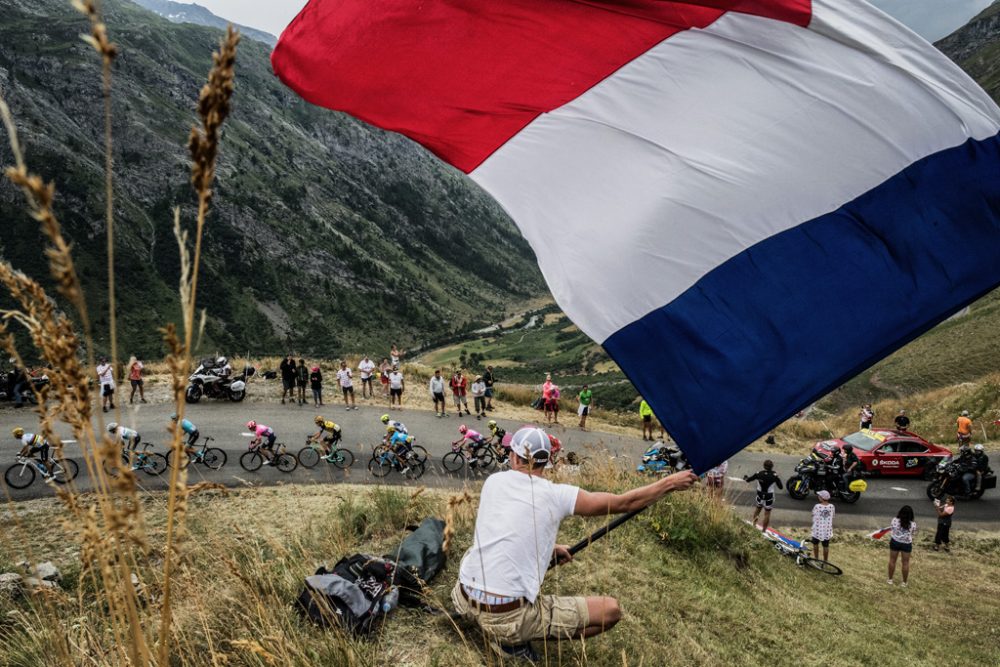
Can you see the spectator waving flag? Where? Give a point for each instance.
(747, 202)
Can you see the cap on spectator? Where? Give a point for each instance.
(823, 495)
(531, 444)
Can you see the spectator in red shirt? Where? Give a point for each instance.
(458, 386)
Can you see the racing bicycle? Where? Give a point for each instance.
(797, 550)
(384, 459)
(212, 458)
(23, 472)
(459, 457)
(311, 454)
(253, 459)
(149, 462)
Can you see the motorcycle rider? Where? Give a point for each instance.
(982, 462)
(31, 443)
(264, 438)
(222, 367)
(329, 427)
(849, 463)
(966, 464)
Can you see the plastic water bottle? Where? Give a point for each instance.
(390, 601)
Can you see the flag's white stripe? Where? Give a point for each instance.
(717, 139)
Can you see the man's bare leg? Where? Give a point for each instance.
(603, 613)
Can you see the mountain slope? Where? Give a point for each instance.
(326, 234)
(179, 12)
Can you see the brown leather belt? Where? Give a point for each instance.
(492, 608)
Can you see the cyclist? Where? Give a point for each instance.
(497, 434)
(191, 431)
(402, 445)
(31, 443)
(399, 426)
(473, 440)
(264, 438)
(129, 438)
(325, 426)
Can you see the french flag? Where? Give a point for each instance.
(747, 202)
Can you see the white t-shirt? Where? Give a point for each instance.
(395, 380)
(515, 533)
(436, 385)
(479, 388)
(344, 377)
(366, 368)
(105, 374)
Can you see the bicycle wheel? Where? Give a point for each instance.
(416, 470)
(65, 471)
(153, 464)
(184, 457)
(343, 459)
(821, 565)
(379, 466)
(453, 461)
(485, 459)
(251, 461)
(308, 456)
(287, 462)
(19, 476)
(214, 458)
(421, 453)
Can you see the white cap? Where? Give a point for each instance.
(979, 448)
(531, 444)
(823, 495)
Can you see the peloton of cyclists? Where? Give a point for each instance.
(334, 434)
(263, 438)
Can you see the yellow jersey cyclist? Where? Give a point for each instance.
(32, 443)
(334, 434)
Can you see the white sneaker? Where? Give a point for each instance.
(890, 582)
(903, 585)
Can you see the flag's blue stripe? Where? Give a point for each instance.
(790, 319)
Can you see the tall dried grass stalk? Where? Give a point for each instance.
(213, 109)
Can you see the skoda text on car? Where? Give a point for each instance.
(883, 451)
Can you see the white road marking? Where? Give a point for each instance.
(899, 488)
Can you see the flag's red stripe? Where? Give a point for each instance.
(463, 76)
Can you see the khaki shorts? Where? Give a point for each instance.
(551, 617)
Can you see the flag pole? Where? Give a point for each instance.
(598, 534)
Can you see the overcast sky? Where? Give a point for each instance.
(931, 18)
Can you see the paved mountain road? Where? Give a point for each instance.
(362, 429)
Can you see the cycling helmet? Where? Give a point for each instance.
(251, 425)
(222, 361)
(492, 423)
(319, 420)
(979, 448)
(463, 428)
(385, 419)
(112, 427)
(173, 417)
(410, 439)
(18, 432)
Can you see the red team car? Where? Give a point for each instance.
(883, 451)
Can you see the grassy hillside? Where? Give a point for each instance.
(326, 235)
(698, 587)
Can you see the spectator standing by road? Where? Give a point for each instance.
(345, 378)
(135, 379)
(21, 383)
(316, 383)
(584, 397)
(945, 512)
(436, 387)
(903, 529)
(395, 354)
(106, 378)
(822, 524)
(767, 480)
(367, 368)
(383, 375)
(547, 402)
(866, 416)
(287, 368)
(479, 396)
(458, 385)
(646, 413)
(902, 422)
(301, 380)
(489, 380)
(396, 387)
(716, 479)
(964, 424)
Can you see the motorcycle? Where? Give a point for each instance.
(663, 459)
(9, 379)
(948, 482)
(815, 474)
(211, 380)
